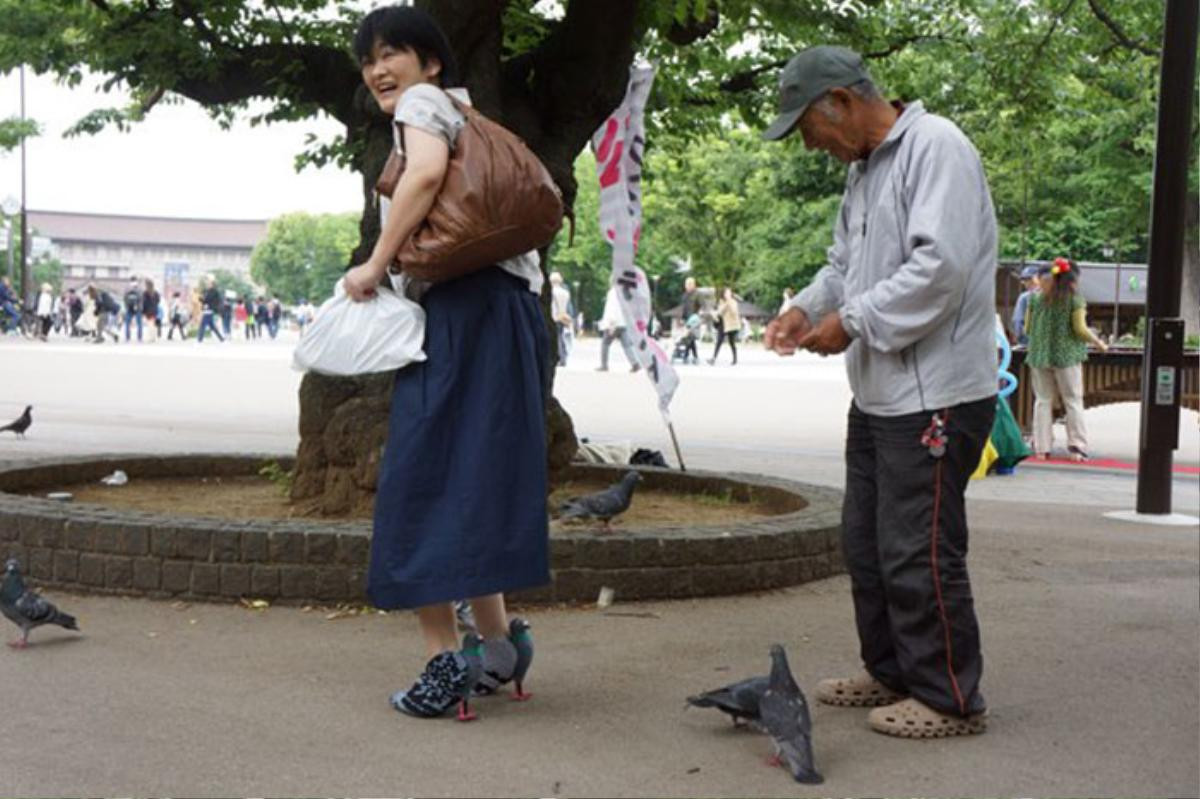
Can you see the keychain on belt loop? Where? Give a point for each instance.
(934, 437)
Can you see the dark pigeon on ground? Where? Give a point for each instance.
(603, 505)
(739, 700)
(784, 714)
(522, 639)
(25, 608)
(21, 423)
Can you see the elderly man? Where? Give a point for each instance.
(908, 293)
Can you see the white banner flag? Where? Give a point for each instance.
(618, 145)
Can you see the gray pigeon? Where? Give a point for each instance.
(25, 608)
(518, 633)
(740, 700)
(21, 423)
(784, 714)
(603, 505)
(472, 653)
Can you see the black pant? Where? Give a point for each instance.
(904, 529)
(723, 336)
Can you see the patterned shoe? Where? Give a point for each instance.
(915, 719)
(442, 685)
(861, 691)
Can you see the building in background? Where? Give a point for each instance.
(175, 253)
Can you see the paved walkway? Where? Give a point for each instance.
(1091, 628)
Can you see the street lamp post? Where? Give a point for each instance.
(24, 219)
(1109, 250)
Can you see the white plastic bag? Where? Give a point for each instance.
(353, 338)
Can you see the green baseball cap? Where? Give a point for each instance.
(807, 77)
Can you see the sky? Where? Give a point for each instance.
(177, 162)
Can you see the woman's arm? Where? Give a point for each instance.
(424, 172)
(1083, 332)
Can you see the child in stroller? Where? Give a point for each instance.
(685, 345)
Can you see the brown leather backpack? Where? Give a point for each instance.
(497, 202)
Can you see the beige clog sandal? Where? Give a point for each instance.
(861, 691)
(914, 719)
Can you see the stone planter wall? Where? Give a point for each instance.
(100, 549)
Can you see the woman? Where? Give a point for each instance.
(460, 507)
(88, 322)
(45, 311)
(150, 303)
(1058, 339)
(178, 314)
(730, 324)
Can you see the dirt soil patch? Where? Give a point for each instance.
(253, 497)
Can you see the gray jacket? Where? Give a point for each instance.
(912, 271)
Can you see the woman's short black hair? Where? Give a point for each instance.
(406, 28)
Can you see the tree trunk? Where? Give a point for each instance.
(554, 98)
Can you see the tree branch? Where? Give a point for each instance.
(327, 79)
(1040, 49)
(1117, 32)
(186, 11)
(747, 80)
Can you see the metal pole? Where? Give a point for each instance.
(1117, 305)
(9, 225)
(675, 442)
(1163, 353)
(24, 217)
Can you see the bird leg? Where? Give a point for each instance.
(773, 761)
(520, 695)
(21, 642)
(464, 711)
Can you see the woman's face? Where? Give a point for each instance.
(389, 70)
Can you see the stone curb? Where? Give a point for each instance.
(98, 549)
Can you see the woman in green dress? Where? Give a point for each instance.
(1058, 342)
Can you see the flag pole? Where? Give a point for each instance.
(675, 442)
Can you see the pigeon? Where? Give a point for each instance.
(21, 424)
(784, 714)
(472, 653)
(518, 633)
(739, 700)
(25, 608)
(603, 505)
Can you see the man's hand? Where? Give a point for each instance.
(785, 331)
(828, 337)
(360, 282)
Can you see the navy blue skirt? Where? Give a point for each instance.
(460, 507)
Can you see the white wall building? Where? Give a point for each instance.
(175, 253)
